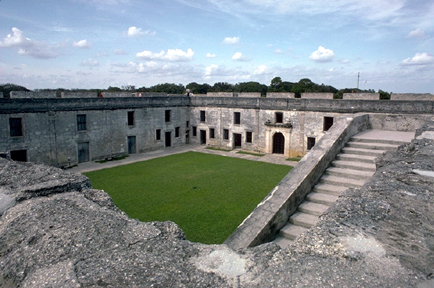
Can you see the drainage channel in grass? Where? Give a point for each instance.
(208, 196)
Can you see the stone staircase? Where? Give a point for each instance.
(351, 168)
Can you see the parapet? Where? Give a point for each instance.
(248, 94)
(317, 95)
(280, 95)
(412, 96)
(220, 94)
(73, 94)
(31, 94)
(361, 96)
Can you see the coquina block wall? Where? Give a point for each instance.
(66, 131)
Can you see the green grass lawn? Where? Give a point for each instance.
(208, 196)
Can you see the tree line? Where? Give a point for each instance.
(276, 85)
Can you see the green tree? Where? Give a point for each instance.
(7, 88)
(251, 87)
(384, 95)
(222, 87)
(196, 88)
(168, 88)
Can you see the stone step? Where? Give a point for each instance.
(374, 146)
(313, 208)
(303, 219)
(282, 241)
(354, 165)
(349, 173)
(329, 189)
(341, 181)
(356, 157)
(360, 151)
(291, 231)
(322, 198)
(367, 140)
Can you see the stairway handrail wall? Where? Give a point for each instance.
(273, 212)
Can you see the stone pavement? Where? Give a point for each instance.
(132, 158)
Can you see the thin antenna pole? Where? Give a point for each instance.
(358, 79)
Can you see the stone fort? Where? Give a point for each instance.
(55, 231)
(63, 129)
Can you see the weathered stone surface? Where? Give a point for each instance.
(380, 235)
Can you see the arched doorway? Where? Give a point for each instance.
(278, 143)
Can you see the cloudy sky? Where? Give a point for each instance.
(102, 43)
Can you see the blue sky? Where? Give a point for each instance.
(102, 43)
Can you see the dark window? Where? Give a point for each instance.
(81, 122)
(176, 131)
(249, 137)
(225, 134)
(202, 116)
(16, 127)
(194, 131)
(211, 133)
(187, 123)
(130, 118)
(237, 118)
(328, 123)
(19, 155)
(167, 116)
(158, 134)
(279, 117)
(310, 142)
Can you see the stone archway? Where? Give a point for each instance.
(278, 143)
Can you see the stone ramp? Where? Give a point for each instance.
(352, 168)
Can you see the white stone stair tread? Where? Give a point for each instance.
(322, 198)
(303, 219)
(356, 157)
(354, 165)
(375, 146)
(350, 173)
(313, 208)
(283, 242)
(361, 151)
(330, 189)
(347, 182)
(291, 231)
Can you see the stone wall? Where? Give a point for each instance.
(31, 94)
(53, 138)
(361, 96)
(50, 125)
(248, 94)
(280, 95)
(412, 96)
(317, 95)
(220, 94)
(72, 94)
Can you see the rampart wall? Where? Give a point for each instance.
(361, 96)
(412, 97)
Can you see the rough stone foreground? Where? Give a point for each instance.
(56, 232)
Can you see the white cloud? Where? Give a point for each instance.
(90, 63)
(419, 59)
(417, 33)
(238, 56)
(210, 70)
(322, 55)
(278, 51)
(231, 40)
(27, 46)
(210, 55)
(133, 31)
(260, 70)
(81, 44)
(120, 52)
(172, 55)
